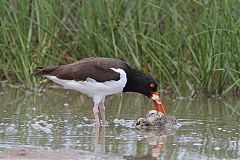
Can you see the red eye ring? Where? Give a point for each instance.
(152, 85)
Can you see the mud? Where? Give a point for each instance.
(23, 153)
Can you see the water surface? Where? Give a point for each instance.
(63, 119)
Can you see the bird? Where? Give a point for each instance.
(99, 77)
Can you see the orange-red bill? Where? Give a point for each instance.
(158, 103)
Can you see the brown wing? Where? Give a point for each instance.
(95, 68)
(80, 73)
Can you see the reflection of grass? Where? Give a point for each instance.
(205, 107)
(186, 45)
(234, 109)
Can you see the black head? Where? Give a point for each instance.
(142, 83)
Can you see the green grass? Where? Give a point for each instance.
(187, 45)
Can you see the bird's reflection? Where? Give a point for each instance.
(156, 138)
(99, 140)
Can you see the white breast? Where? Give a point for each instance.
(94, 88)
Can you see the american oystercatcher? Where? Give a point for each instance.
(100, 77)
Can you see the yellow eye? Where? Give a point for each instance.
(152, 85)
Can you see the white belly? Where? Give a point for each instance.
(93, 88)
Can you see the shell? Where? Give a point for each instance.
(153, 119)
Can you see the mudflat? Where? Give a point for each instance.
(23, 153)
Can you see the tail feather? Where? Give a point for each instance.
(40, 71)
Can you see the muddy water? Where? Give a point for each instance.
(60, 119)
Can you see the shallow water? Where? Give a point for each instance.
(60, 119)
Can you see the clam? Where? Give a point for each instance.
(155, 119)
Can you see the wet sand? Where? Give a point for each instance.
(17, 153)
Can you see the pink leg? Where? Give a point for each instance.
(95, 112)
(102, 110)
